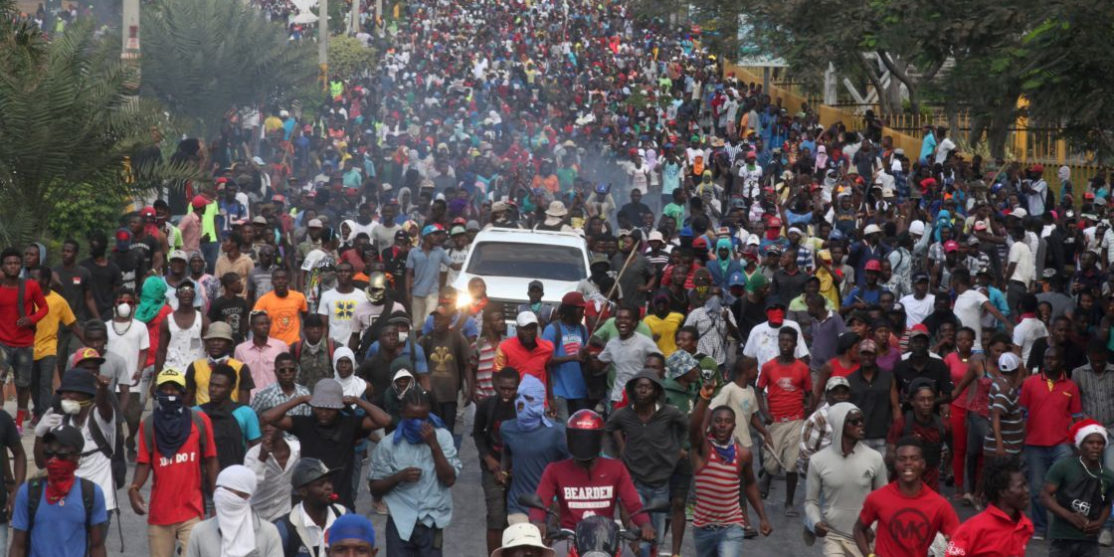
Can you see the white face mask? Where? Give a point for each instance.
(70, 407)
(124, 310)
(403, 335)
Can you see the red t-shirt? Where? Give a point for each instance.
(907, 525)
(34, 306)
(176, 491)
(1051, 405)
(786, 385)
(991, 533)
(582, 493)
(527, 362)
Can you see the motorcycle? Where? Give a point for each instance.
(594, 536)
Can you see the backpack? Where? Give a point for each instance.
(114, 453)
(227, 435)
(932, 451)
(35, 489)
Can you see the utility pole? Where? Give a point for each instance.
(130, 51)
(323, 41)
(354, 17)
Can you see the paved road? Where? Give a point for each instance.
(465, 536)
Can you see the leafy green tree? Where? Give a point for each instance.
(203, 57)
(67, 124)
(348, 57)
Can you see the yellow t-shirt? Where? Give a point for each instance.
(286, 324)
(665, 330)
(46, 330)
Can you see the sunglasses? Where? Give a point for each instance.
(49, 454)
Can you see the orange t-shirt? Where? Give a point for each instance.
(285, 313)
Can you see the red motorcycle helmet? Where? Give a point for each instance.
(584, 433)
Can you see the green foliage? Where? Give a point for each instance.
(65, 120)
(85, 209)
(348, 57)
(202, 57)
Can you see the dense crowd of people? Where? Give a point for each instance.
(765, 298)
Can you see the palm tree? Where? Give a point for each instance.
(68, 122)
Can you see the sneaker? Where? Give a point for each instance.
(1106, 538)
(380, 508)
(1038, 537)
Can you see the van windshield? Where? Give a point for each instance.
(505, 259)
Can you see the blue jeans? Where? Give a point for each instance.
(650, 494)
(718, 541)
(424, 541)
(1038, 460)
(210, 251)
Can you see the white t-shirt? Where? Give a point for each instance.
(916, 310)
(312, 258)
(340, 309)
(968, 308)
(627, 357)
(762, 342)
(1023, 257)
(1026, 333)
(1036, 198)
(127, 344)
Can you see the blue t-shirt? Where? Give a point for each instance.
(462, 323)
(568, 381)
(59, 529)
(421, 365)
(530, 453)
(427, 269)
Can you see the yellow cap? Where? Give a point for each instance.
(170, 375)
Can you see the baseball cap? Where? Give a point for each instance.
(327, 393)
(868, 345)
(401, 235)
(66, 435)
(178, 254)
(575, 299)
(199, 201)
(170, 375)
(430, 229)
(314, 223)
(219, 329)
(920, 277)
(918, 330)
(736, 279)
(656, 235)
(525, 319)
(308, 470)
(259, 219)
(83, 354)
(1019, 213)
(834, 382)
(916, 227)
(1008, 362)
(951, 245)
(123, 239)
(535, 285)
(873, 265)
(457, 230)
(980, 225)
(871, 229)
(78, 381)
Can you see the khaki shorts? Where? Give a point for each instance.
(495, 497)
(786, 437)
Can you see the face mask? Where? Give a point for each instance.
(169, 403)
(124, 310)
(403, 335)
(60, 470)
(229, 503)
(70, 407)
(411, 430)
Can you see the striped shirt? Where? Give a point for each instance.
(716, 486)
(1005, 398)
(485, 365)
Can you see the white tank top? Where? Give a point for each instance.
(185, 344)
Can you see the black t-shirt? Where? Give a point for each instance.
(935, 369)
(75, 283)
(334, 445)
(491, 412)
(105, 280)
(133, 269)
(9, 437)
(233, 311)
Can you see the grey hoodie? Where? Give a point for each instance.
(842, 481)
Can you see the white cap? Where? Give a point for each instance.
(258, 160)
(522, 534)
(655, 235)
(916, 227)
(1019, 213)
(871, 229)
(1008, 362)
(795, 230)
(526, 318)
(314, 223)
